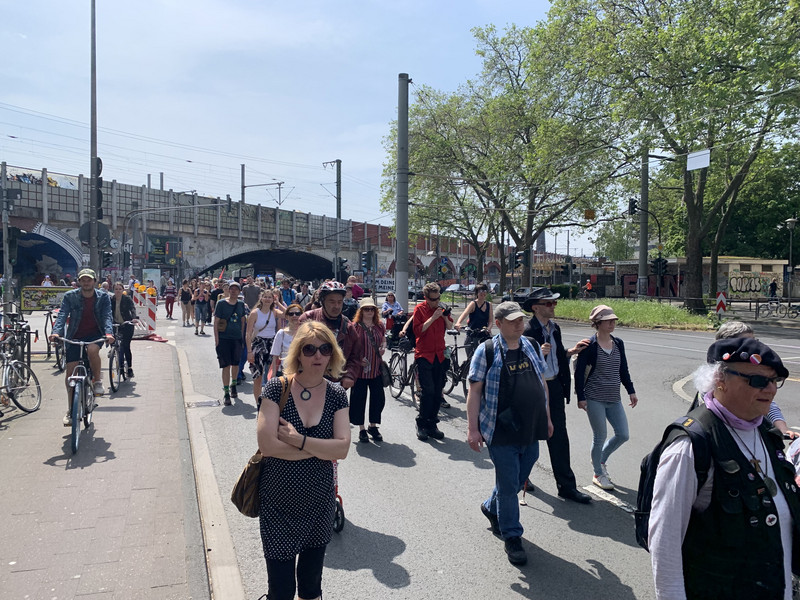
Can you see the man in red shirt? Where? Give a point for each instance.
(430, 320)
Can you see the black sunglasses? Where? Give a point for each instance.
(432, 297)
(324, 349)
(759, 381)
(293, 314)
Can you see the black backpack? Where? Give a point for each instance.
(696, 425)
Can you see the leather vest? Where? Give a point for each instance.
(733, 549)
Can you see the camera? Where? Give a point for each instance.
(447, 310)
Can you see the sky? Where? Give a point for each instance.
(195, 89)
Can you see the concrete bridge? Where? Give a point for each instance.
(186, 234)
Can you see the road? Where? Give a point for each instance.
(414, 529)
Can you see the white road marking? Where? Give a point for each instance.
(605, 496)
(677, 387)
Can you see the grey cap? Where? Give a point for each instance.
(508, 311)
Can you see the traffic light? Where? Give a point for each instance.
(365, 261)
(108, 259)
(519, 257)
(633, 206)
(13, 236)
(230, 204)
(342, 264)
(126, 259)
(659, 266)
(98, 168)
(565, 270)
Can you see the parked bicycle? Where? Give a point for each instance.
(80, 381)
(772, 309)
(458, 371)
(50, 316)
(16, 331)
(117, 361)
(19, 384)
(402, 374)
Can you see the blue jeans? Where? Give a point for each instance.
(599, 412)
(512, 465)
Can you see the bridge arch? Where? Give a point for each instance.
(305, 266)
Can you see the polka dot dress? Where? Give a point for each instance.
(296, 496)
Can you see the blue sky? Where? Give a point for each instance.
(196, 88)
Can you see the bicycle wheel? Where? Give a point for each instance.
(450, 381)
(780, 311)
(61, 358)
(77, 415)
(396, 368)
(413, 382)
(88, 407)
(23, 387)
(114, 370)
(464, 380)
(18, 349)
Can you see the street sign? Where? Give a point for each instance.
(722, 302)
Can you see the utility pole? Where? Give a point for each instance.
(336, 244)
(643, 223)
(401, 247)
(7, 197)
(94, 258)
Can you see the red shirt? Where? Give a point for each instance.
(430, 344)
(88, 325)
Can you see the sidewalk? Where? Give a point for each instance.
(119, 520)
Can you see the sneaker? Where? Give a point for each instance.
(234, 393)
(493, 520)
(422, 434)
(435, 433)
(603, 482)
(444, 404)
(67, 420)
(130, 373)
(376, 435)
(227, 400)
(195, 331)
(515, 551)
(363, 436)
(98, 388)
(605, 472)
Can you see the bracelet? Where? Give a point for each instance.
(303, 444)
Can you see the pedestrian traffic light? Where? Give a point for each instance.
(518, 258)
(108, 259)
(98, 186)
(365, 261)
(633, 206)
(342, 264)
(13, 236)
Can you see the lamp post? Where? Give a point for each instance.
(790, 225)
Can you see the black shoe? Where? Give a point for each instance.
(362, 435)
(492, 519)
(575, 496)
(130, 373)
(435, 433)
(422, 434)
(515, 551)
(227, 400)
(528, 486)
(444, 404)
(376, 435)
(234, 393)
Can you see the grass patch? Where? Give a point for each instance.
(635, 314)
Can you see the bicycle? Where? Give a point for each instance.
(585, 294)
(771, 308)
(457, 372)
(53, 347)
(19, 384)
(80, 381)
(117, 362)
(402, 374)
(15, 334)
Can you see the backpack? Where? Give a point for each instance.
(697, 426)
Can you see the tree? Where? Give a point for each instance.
(687, 75)
(617, 240)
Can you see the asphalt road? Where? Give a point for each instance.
(414, 528)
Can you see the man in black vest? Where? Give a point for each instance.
(736, 535)
(542, 303)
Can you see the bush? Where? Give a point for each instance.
(564, 290)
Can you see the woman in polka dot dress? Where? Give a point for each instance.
(296, 488)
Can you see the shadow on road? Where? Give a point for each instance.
(460, 450)
(358, 548)
(90, 451)
(397, 455)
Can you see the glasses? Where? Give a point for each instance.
(549, 303)
(759, 381)
(432, 298)
(294, 313)
(368, 308)
(310, 350)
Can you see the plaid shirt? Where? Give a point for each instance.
(491, 390)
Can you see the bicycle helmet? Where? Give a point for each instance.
(331, 287)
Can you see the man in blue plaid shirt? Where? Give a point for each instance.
(507, 409)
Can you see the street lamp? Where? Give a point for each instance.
(790, 225)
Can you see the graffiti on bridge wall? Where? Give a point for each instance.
(747, 283)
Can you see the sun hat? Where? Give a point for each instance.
(601, 312)
(539, 295)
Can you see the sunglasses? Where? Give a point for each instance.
(324, 349)
(293, 314)
(549, 303)
(432, 298)
(758, 381)
(368, 308)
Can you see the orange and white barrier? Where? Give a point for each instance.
(147, 316)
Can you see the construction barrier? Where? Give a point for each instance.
(147, 317)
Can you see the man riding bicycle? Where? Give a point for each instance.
(88, 311)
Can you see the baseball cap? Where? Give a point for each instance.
(87, 273)
(509, 311)
(233, 282)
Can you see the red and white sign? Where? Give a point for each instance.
(722, 302)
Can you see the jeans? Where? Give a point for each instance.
(512, 465)
(602, 448)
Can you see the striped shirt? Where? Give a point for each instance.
(372, 369)
(603, 384)
(478, 372)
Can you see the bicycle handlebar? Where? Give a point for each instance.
(64, 340)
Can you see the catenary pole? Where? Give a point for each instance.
(401, 258)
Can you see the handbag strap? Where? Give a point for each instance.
(371, 338)
(286, 385)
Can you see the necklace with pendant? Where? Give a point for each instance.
(305, 395)
(772, 487)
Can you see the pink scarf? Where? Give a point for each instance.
(728, 417)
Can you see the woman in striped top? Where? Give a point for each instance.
(368, 323)
(600, 369)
